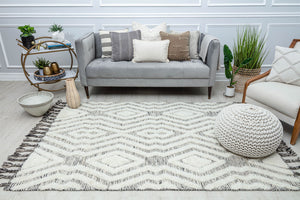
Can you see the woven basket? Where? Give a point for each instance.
(242, 76)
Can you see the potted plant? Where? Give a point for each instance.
(26, 36)
(43, 65)
(249, 44)
(57, 32)
(229, 72)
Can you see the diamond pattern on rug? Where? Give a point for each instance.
(146, 146)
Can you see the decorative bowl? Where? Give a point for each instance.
(36, 103)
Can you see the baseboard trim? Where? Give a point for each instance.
(12, 77)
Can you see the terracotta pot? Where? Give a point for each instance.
(47, 71)
(55, 68)
(72, 95)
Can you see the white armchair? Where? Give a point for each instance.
(281, 99)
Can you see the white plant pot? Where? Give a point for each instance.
(58, 36)
(230, 91)
(41, 71)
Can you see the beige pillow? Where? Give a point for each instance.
(194, 43)
(150, 51)
(179, 48)
(286, 66)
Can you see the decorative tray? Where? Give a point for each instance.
(53, 77)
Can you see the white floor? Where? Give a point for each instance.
(15, 124)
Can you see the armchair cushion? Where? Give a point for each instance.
(286, 66)
(282, 97)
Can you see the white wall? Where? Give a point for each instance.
(279, 19)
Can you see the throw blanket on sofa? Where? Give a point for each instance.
(204, 48)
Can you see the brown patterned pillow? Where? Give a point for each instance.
(179, 48)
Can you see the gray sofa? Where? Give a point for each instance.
(96, 71)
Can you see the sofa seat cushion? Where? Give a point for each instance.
(105, 68)
(282, 97)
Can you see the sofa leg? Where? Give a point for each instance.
(87, 92)
(209, 92)
(296, 129)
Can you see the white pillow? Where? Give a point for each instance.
(150, 51)
(148, 33)
(286, 66)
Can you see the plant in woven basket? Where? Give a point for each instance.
(250, 44)
(229, 72)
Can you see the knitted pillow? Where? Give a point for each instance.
(179, 48)
(122, 48)
(286, 66)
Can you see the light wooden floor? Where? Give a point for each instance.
(15, 124)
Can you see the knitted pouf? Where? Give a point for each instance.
(248, 130)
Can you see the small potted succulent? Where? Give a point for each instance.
(229, 72)
(43, 65)
(26, 36)
(57, 32)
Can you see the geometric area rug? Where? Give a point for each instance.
(139, 146)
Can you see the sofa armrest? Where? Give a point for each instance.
(85, 49)
(212, 59)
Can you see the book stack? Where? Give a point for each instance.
(54, 45)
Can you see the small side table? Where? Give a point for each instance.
(32, 51)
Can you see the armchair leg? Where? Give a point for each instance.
(87, 92)
(209, 92)
(296, 129)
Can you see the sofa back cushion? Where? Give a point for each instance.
(179, 48)
(98, 46)
(122, 47)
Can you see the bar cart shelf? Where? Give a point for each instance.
(70, 73)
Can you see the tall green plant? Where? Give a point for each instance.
(250, 44)
(229, 73)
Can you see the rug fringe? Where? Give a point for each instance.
(14, 162)
(290, 157)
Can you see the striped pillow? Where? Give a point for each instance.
(106, 42)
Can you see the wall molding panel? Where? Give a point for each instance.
(151, 3)
(285, 3)
(47, 3)
(233, 3)
(216, 17)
